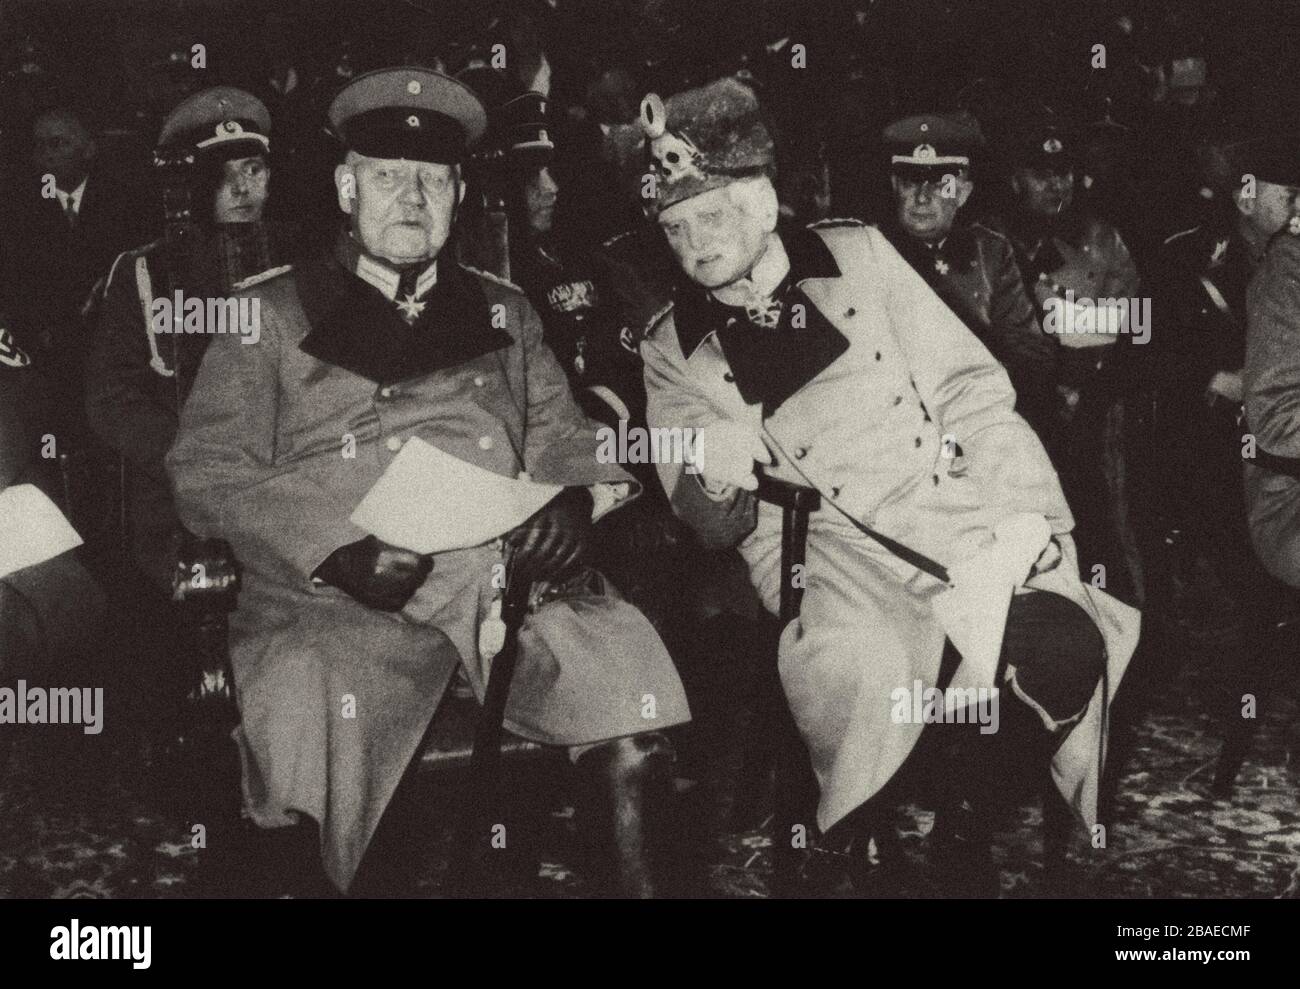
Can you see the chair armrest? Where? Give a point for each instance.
(788, 495)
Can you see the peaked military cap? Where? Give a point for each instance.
(932, 144)
(222, 120)
(703, 139)
(518, 119)
(408, 112)
(1044, 144)
(1270, 159)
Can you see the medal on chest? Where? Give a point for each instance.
(492, 631)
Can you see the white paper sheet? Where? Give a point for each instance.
(32, 529)
(429, 501)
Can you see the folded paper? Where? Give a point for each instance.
(32, 529)
(429, 501)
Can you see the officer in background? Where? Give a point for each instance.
(969, 265)
(1204, 273)
(139, 373)
(1068, 256)
(563, 276)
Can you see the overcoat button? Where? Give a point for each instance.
(935, 477)
(800, 453)
(386, 392)
(918, 442)
(877, 355)
(850, 313)
(485, 442)
(898, 399)
(728, 377)
(478, 380)
(393, 443)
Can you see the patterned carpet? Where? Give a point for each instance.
(80, 820)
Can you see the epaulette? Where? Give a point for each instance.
(839, 221)
(655, 320)
(497, 279)
(260, 277)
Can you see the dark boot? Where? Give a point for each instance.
(629, 790)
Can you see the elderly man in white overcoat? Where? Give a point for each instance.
(819, 357)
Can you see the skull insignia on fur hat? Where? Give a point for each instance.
(702, 139)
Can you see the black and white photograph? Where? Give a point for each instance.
(674, 450)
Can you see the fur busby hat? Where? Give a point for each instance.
(702, 139)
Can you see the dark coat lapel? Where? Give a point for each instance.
(353, 326)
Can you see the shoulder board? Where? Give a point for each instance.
(654, 321)
(843, 221)
(261, 277)
(496, 279)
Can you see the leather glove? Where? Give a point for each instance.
(377, 574)
(725, 453)
(554, 540)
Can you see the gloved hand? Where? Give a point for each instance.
(377, 574)
(554, 540)
(725, 453)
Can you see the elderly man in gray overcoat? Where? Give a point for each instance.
(343, 644)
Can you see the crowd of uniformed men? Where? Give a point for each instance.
(1011, 375)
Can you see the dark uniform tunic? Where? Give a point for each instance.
(137, 379)
(1089, 439)
(583, 325)
(1201, 317)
